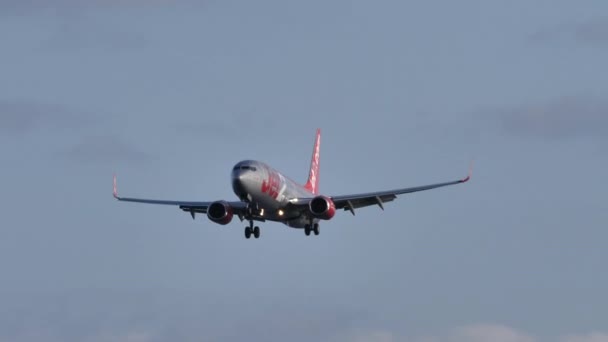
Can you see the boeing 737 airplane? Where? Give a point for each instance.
(267, 195)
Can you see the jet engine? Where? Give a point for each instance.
(322, 207)
(220, 212)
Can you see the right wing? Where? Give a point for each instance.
(351, 202)
(239, 208)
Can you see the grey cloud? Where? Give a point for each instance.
(222, 126)
(19, 117)
(490, 332)
(471, 333)
(591, 337)
(80, 33)
(564, 118)
(138, 316)
(84, 24)
(106, 149)
(81, 27)
(20, 5)
(153, 316)
(134, 336)
(593, 33)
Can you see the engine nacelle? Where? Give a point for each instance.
(322, 207)
(220, 212)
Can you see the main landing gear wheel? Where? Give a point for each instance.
(311, 228)
(256, 232)
(248, 232)
(307, 230)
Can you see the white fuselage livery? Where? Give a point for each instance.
(258, 183)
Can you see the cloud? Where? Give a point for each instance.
(567, 117)
(222, 126)
(489, 332)
(136, 336)
(80, 25)
(471, 333)
(84, 32)
(592, 33)
(150, 315)
(375, 336)
(105, 149)
(57, 123)
(86, 24)
(592, 337)
(20, 117)
(21, 5)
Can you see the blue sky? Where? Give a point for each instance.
(169, 95)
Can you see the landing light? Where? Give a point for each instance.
(262, 212)
(281, 212)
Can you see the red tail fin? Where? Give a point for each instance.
(313, 176)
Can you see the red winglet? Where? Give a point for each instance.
(115, 189)
(466, 179)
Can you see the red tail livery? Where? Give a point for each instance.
(312, 184)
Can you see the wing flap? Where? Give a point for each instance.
(359, 202)
(351, 202)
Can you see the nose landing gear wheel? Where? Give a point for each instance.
(256, 232)
(315, 228)
(248, 232)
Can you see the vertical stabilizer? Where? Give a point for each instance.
(313, 176)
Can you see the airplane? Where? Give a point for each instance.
(265, 194)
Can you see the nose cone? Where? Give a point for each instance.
(238, 183)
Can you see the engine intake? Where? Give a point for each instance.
(220, 212)
(322, 207)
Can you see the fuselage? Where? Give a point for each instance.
(259, 184)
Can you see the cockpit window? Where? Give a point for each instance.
(245, 167)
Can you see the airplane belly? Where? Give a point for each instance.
(299, 222)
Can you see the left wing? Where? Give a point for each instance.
(188, 206)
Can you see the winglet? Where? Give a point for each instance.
(115, 189)
(466, 179)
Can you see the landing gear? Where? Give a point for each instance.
(311, 228)
(251, 230)
(252, 209)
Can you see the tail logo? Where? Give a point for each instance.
(314, 166)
